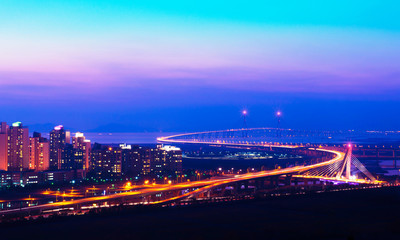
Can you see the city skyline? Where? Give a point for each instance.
(177, 66)
(199, 119)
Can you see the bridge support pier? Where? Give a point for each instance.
(288, 180)
(77, 207)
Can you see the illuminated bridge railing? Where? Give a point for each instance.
(265, 136)
(314, 142)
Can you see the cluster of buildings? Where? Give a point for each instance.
(19, 152)
(135, 161)
(28, 159)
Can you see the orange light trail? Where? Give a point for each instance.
(148, 189)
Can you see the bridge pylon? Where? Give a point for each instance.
(346, 167)
(349, 161)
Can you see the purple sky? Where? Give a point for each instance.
(126, 66)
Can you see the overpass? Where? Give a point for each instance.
(336, 167)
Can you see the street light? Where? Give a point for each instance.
(278, 115)
(244, 114)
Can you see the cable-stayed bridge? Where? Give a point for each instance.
(350, 169)
(338, 162)
(334, 163)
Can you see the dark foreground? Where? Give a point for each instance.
(359, 214)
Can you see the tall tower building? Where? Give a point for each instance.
(132, 159)
(39, 153)
(58, 140)
(82, 148)
(33, 151)
(3, 146)
(106, 161)
(18, 147)
(166, 159)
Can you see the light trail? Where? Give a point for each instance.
(204, 184)
(168, 187)
(339, 156)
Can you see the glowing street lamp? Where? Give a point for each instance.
(128, 185)
(244, 114)
(278, 115)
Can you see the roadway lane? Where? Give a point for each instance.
(339, 156)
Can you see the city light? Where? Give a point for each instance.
(58, 128)
(199, 119)
(91, 196)
(16, 124)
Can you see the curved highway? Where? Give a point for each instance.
(198, 185)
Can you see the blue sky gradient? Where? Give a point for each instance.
(193, 65)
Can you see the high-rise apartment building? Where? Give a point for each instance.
(59, 137)
(172, 157)
(166, 159)
(18, 147)
(134, 162)
(106, 161)
(39, 153)
(3, 146)
(82, 148)
(69, 161)
(162, 160)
